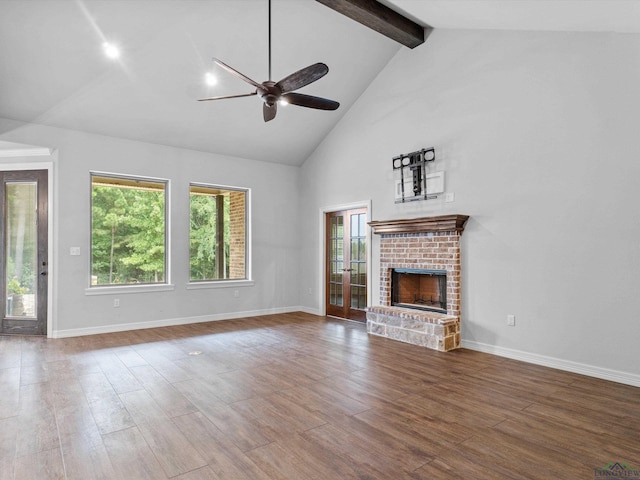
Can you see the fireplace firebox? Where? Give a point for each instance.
(420, 289)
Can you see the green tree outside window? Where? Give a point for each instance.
(128, 231)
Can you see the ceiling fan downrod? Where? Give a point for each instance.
(269, 77)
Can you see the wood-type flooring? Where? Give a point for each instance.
(296, 396)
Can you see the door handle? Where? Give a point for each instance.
(44, 274)
(347, 269)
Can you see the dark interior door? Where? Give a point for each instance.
(23, 247)
(346, 264)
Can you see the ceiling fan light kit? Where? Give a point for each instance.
(272, 92)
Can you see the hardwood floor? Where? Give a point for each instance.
(296, 396)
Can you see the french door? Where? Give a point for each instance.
(23, 250)
(346, 264)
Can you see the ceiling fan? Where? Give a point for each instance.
(273, 92)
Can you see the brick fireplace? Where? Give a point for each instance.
(420, 244)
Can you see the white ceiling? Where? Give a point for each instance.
(621, 16)
(52, 70)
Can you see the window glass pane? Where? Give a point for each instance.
(128, 230)
(217, 233)
(21, 249)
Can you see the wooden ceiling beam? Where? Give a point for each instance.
(382, 19)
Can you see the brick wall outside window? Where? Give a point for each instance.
(237, 243)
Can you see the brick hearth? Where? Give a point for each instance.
(422, 243)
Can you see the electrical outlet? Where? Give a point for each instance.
(310, 292)
(511, 320)
(449, 197)
(236, 293)
(74, 251)
(116, 302)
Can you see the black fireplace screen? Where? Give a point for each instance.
(419, 289)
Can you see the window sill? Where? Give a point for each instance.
(219, 284)
(112, 290)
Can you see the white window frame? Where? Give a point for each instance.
(225, 283)
(131, 288)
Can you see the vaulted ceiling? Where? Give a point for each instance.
(53, 71)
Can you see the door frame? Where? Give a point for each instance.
(323, 250)
(31, 158)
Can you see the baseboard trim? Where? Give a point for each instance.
(552, 362)
(310, 311)
(169, 322)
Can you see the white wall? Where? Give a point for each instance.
(274, 246)
(538, 134)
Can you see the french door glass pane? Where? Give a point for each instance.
(338, 249)
(21, 249)
(362, 273)
(335, 297)
(358, 297)
(336, 261)
(336, 272)
(358, 261)
(337, 227)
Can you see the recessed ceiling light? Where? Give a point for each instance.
(110, 50)
(210, 79)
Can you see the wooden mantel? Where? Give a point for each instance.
(442, 223)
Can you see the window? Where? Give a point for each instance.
(217, 233)
(128, 230)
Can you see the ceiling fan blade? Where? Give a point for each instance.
(233, 71)
(223, 97)
(269, 112)
(310, 101)
(302, 77)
